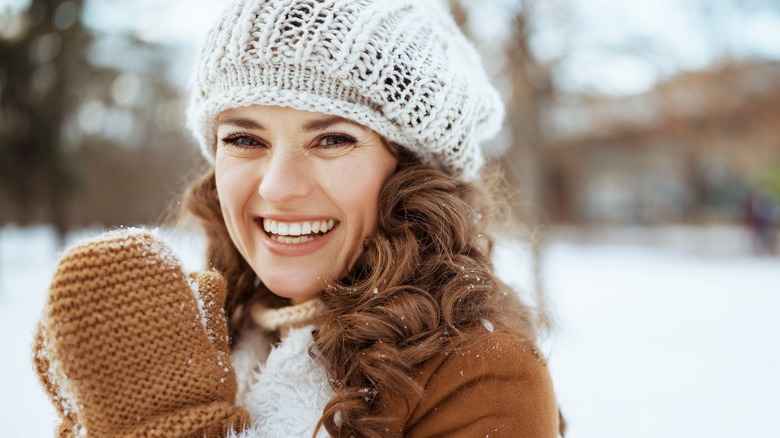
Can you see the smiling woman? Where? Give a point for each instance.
(299, 192)
(347, 211)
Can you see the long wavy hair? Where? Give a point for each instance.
(424, 277)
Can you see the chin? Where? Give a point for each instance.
(296, 293)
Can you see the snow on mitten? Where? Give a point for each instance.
(126, 349)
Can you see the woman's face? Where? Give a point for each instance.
(299, 192)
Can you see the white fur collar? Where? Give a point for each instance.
(286, 395)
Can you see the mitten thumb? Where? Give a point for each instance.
(210, 291)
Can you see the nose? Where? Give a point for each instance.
(285, 177)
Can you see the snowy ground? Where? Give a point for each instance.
(664, 334)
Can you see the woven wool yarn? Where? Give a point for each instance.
(399, 67)
(287, 317)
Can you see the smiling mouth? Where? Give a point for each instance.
(293, 233)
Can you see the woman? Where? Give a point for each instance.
(345, 212)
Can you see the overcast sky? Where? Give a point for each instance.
(613, 47)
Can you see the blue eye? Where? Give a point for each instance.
(241, 141)
(335, 140)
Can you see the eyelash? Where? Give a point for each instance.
(345, 140)
(233, 140)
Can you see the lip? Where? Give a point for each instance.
(293, 217)
(298, 249)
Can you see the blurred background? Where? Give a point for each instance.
(642, 142)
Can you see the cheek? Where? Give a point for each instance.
(370, 205)
(364, 198)
(234, 189)
(225, 189)
(233, 178)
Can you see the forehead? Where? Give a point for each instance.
(256, 116)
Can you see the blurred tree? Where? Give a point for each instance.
(90, 123)
(39, 57)
(525, 161)
(530, 91)
(134, 157)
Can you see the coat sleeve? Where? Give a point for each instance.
(496, 387)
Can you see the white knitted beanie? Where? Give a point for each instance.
(399, 67)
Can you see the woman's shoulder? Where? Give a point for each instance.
(486, 347)
(490, 383)
(482, 354)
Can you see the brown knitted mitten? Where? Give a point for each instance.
(126, 349)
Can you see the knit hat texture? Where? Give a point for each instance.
(124, 347)
(399, 67)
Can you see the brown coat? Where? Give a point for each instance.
(493, 386)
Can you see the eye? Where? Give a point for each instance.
(241, 141)
(335, 140)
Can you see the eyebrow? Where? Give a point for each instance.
(325, 123)
(314, 125)
(243, 123)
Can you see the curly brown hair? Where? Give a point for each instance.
(423, 278)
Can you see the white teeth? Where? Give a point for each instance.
(304, 229)
(292, 240)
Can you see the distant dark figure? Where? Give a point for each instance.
(763, 213)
